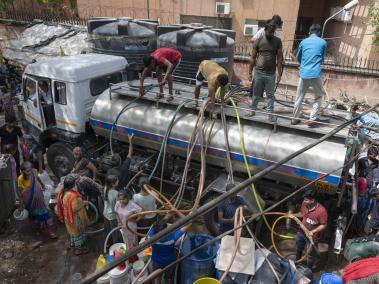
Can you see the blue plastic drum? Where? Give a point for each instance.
(200, 264)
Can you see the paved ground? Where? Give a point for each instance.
(30, 257)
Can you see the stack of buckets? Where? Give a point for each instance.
(199, 268)
(127, 274)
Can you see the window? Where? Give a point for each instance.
(60, 93)
(260, 23)
(30, 89)
(100, 84)
(216, 22)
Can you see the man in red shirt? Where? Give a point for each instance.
(163, 59)
(314, 217)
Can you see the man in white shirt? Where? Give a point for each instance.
(46, 102)
(45, 93)
(261, 32)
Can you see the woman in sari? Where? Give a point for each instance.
(71, 211)
(124, 208)
(31, 198)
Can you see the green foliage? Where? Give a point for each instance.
(4, 4)
(51, 3)
(73, 5)
(374, 19)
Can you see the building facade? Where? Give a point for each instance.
(349, 37)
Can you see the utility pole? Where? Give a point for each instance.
(148, 8)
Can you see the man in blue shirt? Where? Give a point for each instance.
(310, 55)
(227, 210)
(164, 250)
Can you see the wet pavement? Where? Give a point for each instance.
(29, 256)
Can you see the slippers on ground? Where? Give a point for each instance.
(170, 99)
(159, 96)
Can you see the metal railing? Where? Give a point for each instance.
(243, 50)
(342, 63)
(28, 17)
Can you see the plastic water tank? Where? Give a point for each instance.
(201, 263)
(198, 43)
(123, 36)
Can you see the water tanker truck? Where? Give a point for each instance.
(90, 93)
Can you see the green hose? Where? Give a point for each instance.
(125, 108)
(166, 136)
(248, 169)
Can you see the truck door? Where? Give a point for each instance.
(32, 104)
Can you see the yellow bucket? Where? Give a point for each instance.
(206, 280)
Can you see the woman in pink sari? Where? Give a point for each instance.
(31, 195)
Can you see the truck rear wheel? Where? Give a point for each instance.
(60, 159)
(211, 218)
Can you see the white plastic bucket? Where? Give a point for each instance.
(116, 246)
(105, 279)
(118, 276)
(137, 268)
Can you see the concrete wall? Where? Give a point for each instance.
(350, 45)
(168, 11)
(362, 87)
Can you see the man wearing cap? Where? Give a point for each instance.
(314, 217)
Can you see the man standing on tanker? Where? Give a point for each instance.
(163, 59)
(267, 56)
(217, 78)
(310, 55)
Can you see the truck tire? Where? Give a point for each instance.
(60, 159)
(211, 218)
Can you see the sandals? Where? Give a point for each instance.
(159, 96)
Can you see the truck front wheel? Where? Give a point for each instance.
(60, 159)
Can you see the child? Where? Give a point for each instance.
(124, 208)
(110, 199)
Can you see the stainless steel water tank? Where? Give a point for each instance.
(197, 43)
(124, 37)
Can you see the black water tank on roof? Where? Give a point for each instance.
(197, 43)
(126, 37)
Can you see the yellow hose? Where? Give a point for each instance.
(249, 172)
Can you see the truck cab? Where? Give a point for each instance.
(57, 99)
